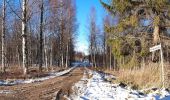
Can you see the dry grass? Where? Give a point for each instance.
(16, 72)
(146, 77)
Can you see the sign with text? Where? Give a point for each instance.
(157, 47)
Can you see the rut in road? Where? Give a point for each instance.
(45, 90)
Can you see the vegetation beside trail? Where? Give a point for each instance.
(146, 77)
(130, 39)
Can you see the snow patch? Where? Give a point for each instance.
(51, 75)
(96, 88)
(6, 91)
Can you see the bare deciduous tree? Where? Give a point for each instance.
(41, 35)
(24, 36)
(3, 35)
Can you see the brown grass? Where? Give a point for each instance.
(146, 77)
(16, 72)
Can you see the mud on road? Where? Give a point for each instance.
(46, 90)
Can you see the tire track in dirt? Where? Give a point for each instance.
(44, 90)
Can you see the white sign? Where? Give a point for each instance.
(157, 47)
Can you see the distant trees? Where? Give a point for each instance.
(93, 36)
(99, 48)
(107, 46)
(63, 25)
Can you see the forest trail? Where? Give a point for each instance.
(45, 90)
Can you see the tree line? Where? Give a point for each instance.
(141, 24)
(37, 33)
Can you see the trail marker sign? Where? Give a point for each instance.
(159, 47)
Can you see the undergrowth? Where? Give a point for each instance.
(141, 78)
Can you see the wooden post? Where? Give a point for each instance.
(162, 75)
(162, 69)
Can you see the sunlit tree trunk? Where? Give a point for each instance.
(51, 56)
(67, 53)
(156, 37)
(24, 30)
(62, 60)
(110, 58)
(3, 35)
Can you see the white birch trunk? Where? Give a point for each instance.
(110, 58)
(62, 60)
(3, 36)
(18, 56)
(51, 56)
(24, 22)
(67, 57)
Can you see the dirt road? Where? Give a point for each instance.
(45, 90)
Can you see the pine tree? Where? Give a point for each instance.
(131, 14)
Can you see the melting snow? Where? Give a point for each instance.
(51, 75)
(96, 88)
(6, 91)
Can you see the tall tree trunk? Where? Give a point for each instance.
(41, 36)
(107, 59)
(114, 63)
(62, 60)
(3, 35)
(103, 60)
(156, 37)
(94, 58)
(45, 52)
(110, 58)
(18, 56)
(67, 53)
(104, 56)
(51, 56)
(91, 58)
(24, 30)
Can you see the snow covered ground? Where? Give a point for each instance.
(51, 75)
(96, 88)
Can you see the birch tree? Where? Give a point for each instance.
(3, 35)
(92, 29)
(24, 36)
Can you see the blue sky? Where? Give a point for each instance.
(83, 10)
